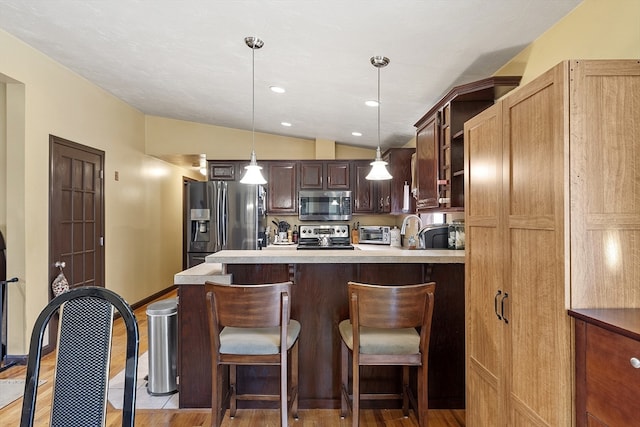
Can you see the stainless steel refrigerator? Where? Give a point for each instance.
(223, 215)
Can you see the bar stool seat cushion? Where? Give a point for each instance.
(381, 340)
(256, 340)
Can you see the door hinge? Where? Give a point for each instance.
(101, 241)
(101, 173)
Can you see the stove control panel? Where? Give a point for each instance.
(317, 231)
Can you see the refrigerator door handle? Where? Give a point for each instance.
(222, 215)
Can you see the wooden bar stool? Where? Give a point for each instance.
(382, 331)
(251, 325)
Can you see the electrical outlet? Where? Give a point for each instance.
(117, 176)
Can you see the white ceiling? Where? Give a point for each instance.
(187, 59)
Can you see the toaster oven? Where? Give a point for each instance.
(375, 234)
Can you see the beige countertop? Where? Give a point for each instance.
(363, 254)
(198, 275)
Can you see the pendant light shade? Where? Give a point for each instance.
(253, 174)
(379, 170)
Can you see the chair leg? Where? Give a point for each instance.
(356, 390)
(294, 380)
(216, 401)
(283, 389)
(423, 401)
(405, 391)
(233, 401)
(344, 374)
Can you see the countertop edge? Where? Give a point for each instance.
(322, 256)
(201, 273)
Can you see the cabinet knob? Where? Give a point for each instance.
(635, 362)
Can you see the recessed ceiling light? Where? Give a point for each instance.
(277, 89)
(356, 133)
(371, 103)
(287, 124)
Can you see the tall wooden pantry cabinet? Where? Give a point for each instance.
(552, 207)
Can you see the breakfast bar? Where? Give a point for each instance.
(319, 303)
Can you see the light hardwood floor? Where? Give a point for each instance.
(10, 415)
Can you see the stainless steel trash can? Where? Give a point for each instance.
(162, 323)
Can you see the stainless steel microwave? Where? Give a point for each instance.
(325, 205)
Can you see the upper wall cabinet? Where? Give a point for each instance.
(327, 175)
(383, 197)
(399, 166)
(222, 171)
(282, 197)
(440, 142)
(364, 191)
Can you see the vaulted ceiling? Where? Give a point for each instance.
(188, 60)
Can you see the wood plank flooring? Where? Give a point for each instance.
(10, 415)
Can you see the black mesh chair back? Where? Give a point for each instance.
(83, 354)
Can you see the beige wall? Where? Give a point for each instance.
(596, 29)
(168, 137)
(143, 236)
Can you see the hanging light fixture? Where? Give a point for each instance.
(379, 170)
(253, 174)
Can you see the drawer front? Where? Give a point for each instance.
(613, 384)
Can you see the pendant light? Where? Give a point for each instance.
(253, 174)
(379, 170)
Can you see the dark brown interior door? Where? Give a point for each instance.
(76, 216)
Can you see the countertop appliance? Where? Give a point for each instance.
(223, 215)
(375, 234)
(324, 237)
(325, 205)
(434, 236)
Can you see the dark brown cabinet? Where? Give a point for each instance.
(281, 187)
(427, 143)
(312, 175)
(318, 300)
(327, 175)
(224, 171)
(364, 191)
(399, 165)
(383, 197)
(371, 197)
(440, 142)
(338, 176)
(607, 352)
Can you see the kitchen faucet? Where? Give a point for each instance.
(403, 229)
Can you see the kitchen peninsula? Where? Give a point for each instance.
(319, 302)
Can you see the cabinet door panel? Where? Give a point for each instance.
(281, 188)
(539, 334)
(427, 164)
(605, 166)
(311, 176)
(222, 171)
(611, 381)
(338, 176)
(363, 189)
(484, 269)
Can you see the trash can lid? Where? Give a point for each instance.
(168, 306)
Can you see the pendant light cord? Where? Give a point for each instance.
(378, 108)
(253, 99)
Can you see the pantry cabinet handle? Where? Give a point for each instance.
(506, 295)
(495, 304)
(635, 362)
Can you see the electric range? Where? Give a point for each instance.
(324, 237)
